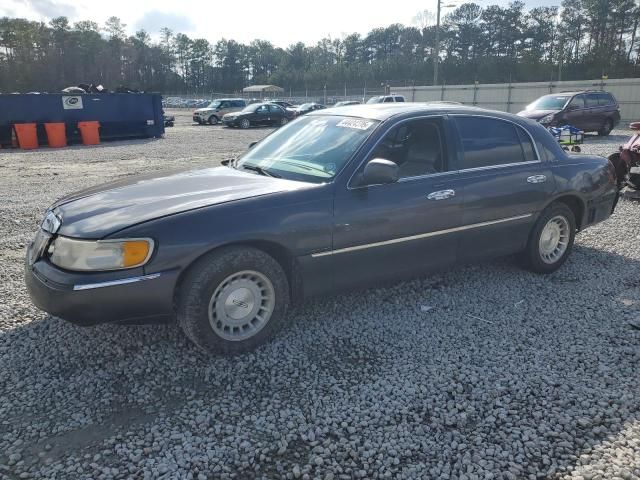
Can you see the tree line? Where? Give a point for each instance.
(581, 39)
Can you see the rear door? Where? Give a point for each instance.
(276, 114)
(504, 185)
(594, 112)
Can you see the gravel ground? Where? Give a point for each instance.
(486, 371)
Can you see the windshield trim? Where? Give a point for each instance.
(377, 125)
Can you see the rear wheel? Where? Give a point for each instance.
(245, 123)
(606, 128)
(213, 120)
(233, 300)
(551, 239)
(284, 121)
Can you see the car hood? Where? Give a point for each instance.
(536, 114)
(204, 110)
(105, 209)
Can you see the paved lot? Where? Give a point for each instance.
(506, 375)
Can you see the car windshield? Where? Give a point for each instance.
(251, 108)
(549, 102)
(306, 105)
(374, 100)
(311, 149)
(214, 104)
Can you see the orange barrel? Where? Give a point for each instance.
(56, 134)
(27, 135)
(89, 132)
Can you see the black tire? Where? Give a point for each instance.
(201, 283)
(606, 128)
(532, 256)
(213, 120)
(245, 123)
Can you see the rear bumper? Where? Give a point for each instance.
(89, 299)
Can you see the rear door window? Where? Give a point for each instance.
(592, 100)
(399, 99)
(491, 142)
(275, 109)
(388, 99)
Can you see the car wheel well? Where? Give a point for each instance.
(279, 253)
(576, 205)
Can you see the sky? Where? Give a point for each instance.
(282, 22)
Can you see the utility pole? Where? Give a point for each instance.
(436, 52)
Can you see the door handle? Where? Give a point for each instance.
(441, 195)
(537, 179)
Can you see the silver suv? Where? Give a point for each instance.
(386, 99)
(217, 109)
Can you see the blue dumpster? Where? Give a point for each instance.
(121, 115)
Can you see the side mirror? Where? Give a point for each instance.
(379, 171)
(252, 144)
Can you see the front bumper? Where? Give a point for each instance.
(104, 297)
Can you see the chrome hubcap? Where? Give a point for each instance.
(241, 305)
(554, 239)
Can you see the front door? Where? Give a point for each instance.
(261, 115)
(402, 228)
(575, 112)
(504, 185)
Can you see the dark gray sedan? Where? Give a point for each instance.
(337, 199)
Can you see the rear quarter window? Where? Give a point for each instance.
(492, 142)
(605, 99)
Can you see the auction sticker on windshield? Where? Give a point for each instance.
(355, 123)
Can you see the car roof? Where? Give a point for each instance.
(384, 111)
(575, 92)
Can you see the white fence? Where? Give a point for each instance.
(513, 97)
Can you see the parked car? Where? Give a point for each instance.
(340, 198)
(590, 111)
(217, 109)
(257, 114)
(386, 99)
(346, 103)
(308, 107)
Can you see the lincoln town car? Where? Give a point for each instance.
(337, 199)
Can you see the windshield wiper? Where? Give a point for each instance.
(260, 170)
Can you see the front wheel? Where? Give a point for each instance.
(213, 120)
(551, 239)
(245, 123)
(233, 300)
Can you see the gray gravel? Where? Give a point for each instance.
(486, 371)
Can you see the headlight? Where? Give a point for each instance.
(95, 255)
(547, 118)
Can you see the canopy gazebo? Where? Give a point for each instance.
(263, 89)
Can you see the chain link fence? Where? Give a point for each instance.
(324, 96)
